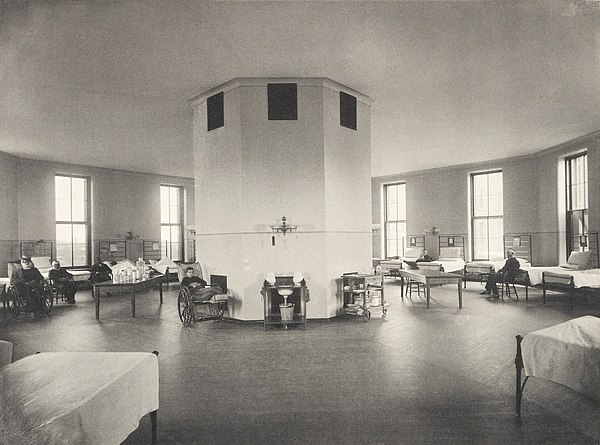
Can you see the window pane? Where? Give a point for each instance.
(173, 214)
(165, 234)
(480, 239)
(164, 213)
(391, 212)
(63, 244)
(79, 244)
(62, 192)
(63, 209)
(495, 205)
(480, 206)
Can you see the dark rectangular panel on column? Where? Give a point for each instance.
(347, 110)
(215, 111)
(282, 101)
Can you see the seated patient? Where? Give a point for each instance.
(29, 283)
(63, 281)
(424, 257)
(198, 286)
(508, 272)
(100, 272)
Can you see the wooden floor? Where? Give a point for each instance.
(418, 376)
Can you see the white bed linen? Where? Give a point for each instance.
(581, 278)
(164, 263)
(568, 353)
(387, 265)
(449, 265)
(78, 275)
(535, 273)
(496, 264)
(76, 397)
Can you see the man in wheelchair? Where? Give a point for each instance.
(199, 288)
(29, 284)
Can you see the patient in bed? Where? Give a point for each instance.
(507, 273)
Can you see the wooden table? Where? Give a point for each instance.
(429, 277)
(72, 398)
(131, 286)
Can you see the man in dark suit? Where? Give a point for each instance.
(507, 273)
(29, 283)
(63, 281)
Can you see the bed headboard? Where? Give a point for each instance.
(520, 243)
(152, 250)
(111, 250)
(414, 241)
(36, 248)
(453, 241)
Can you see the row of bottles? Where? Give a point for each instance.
(130, 275)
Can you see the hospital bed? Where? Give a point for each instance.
(451, 257)
(579, 273)
(520, 243)
(413, 250)
(74, 398)
(567, 353)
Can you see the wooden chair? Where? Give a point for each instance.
(415, 285)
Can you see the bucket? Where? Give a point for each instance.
(287, 311)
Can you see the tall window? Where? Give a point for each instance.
(487, 215)
(395, 219)
(577, 202)
(171, 226)
(72, 220)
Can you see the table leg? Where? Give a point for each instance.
(402, 287)
(459, 293)
(96, 292)
(132, 302)
(427, 292)
(154, 426)
(160, 291)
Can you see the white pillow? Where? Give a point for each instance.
(569, 266)
(580, 259)
(449, 252)
(162, 264)
(412, 252)
(523, 262)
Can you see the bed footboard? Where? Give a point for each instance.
(558, 283)
(476, 273)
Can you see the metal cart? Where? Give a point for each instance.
(363, 294)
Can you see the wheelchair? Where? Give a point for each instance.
(197, 307)
(189, 307)
(20, 304)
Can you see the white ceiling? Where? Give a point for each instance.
(106, 82)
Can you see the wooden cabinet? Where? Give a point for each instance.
(274, 313)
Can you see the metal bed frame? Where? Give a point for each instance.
(520, 243)
(564, 283)
(447, 241)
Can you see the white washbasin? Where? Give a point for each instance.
(285, 291)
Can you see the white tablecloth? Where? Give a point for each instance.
(76, 397)
(568, 353)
